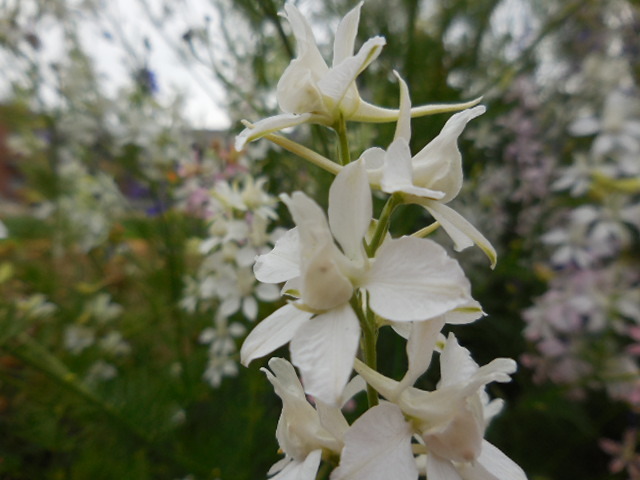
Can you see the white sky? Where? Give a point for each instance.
(128, 24)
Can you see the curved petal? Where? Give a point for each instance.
(337, 82)
(378, 447)
(415, 279)
(345, 38)
(269, 125)
(324, 349)
(420, 346)
(272, 332)
(282, 263)
(492, 464)
(403, 128)
(350, 208)
(397, 175)
(439, 164)
(459, 229)
(305, 470)
(441, 469)
(305, 40)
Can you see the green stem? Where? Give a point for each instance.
(382, 226)
(304, 152)
(426, 231)
(368, 343)
(344, 155)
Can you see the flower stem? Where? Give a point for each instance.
(368, 343)
(344, 155)
(426, 231)
(304, 152)
(382, 226)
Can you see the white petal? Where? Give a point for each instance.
(332, 419)
(345, 38)
(269, 125)
(378, 447)
(403, 127)
(272, 332)
(420, 346)
(306, 470)
(438, 165)
(324, 287)
(305, 40)
(341, 77)
(385, 385)
(414, 279)
(456, 364)
(440, 469)
(324, 349)
(459, 229)
(283, 262)
(350, 208)
(397, 169)
(492, 464)
(465, 314)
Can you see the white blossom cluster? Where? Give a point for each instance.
(347, 280)
(239, 214)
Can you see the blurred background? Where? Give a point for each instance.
(128, 223)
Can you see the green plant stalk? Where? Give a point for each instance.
(382, 226)
(304, 152)
(368, 342)
(344, 154)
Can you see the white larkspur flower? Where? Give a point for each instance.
(410, 279)
(432, 177)
(310, 91)
(304, 432)
(449, 422)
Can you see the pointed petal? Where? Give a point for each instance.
(403, 128)
(272, 332)
(332, 419)
(386, 386)
(397, 168)
(344, 42)
(305, 470)
(324, 349)
(350, 208)
(414, 279)
(492, 464)
(282, 263)
(456, 364)
(440, 469)
(420, 346)
(373, 114)
(459, 229)
(305, 40)
(337, 82)
(269, 125)
(439, 164)
(465, 314)
(284, 379)
(378, 447)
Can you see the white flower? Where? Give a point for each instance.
(449, 423)
(432, 177)
(310, 91)
(304, 432)
(410, 279)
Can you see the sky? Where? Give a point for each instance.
(115, 39)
